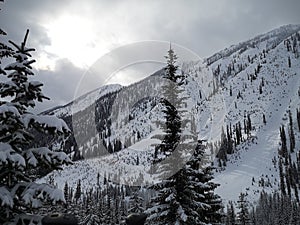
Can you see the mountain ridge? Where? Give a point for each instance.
(261, 80)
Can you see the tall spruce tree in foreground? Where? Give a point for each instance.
(172, 102)
(165, 206)
(19, 194)
(186, 197)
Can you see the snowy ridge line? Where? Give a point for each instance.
(278, 34)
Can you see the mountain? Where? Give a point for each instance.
(238, 97)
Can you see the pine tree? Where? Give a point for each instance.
(249, 124)
(19, 193)
(281, 175)
(291, 133)
(224, 147)
(5, 51)
(173, 104)
(136, 203)
(283, 151)
(298, 118)
(77, 194)
(66, 192)
(264, 119)
(288, 180)
(200, 204)
(213, 213)
(166, 201)
(186, 197)
(243, 213)
(230, 217)
(189, 197)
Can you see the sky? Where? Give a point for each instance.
(71, 35)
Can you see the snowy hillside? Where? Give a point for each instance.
(83, 101)
(117, 128)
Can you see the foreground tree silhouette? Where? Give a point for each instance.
(19, 193)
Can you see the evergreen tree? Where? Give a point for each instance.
(283, 151)
(230, 217)
(291, 133)
(213, 213)
(281, 176)
(166, 201)
(19, 194)
(288, 180)
(264, 119)
(249, 124)
(224, 147)
(243, 213)
(136, 203)
(229, 141)
(186, 197)
(189, 197)
(298, 118)
(66, 192)
(77, 194)
(172, 102)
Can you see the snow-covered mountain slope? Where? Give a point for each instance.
(83, 101)
(254, 79)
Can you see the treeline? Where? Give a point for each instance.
(232, 138)
(275, 209)
(107, 203)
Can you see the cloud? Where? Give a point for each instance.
(204, 26)
(60, 84)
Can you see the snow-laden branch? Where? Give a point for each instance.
(9, 156)
(4, 109)
(46, 121)
(6, 199)
(35, 155)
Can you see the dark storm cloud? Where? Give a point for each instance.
(203, 26)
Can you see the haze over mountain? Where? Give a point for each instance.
(254, 82)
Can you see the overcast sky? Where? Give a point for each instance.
(70, 35)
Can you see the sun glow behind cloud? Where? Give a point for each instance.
(74, 38)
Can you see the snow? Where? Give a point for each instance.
(9, 109)
(86, 100)
(8, 155)
(49, 121)
(255, 157)
(35, 193)
(5, 197)
(252, 159)
(47, 154)
(182, 214)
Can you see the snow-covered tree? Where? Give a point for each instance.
(172, 102)
(195, 189)
(136, 203)
(19, 194)
(78, 191)
(165, 206)
(187, 196)
(243, 217)
(230, 217)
